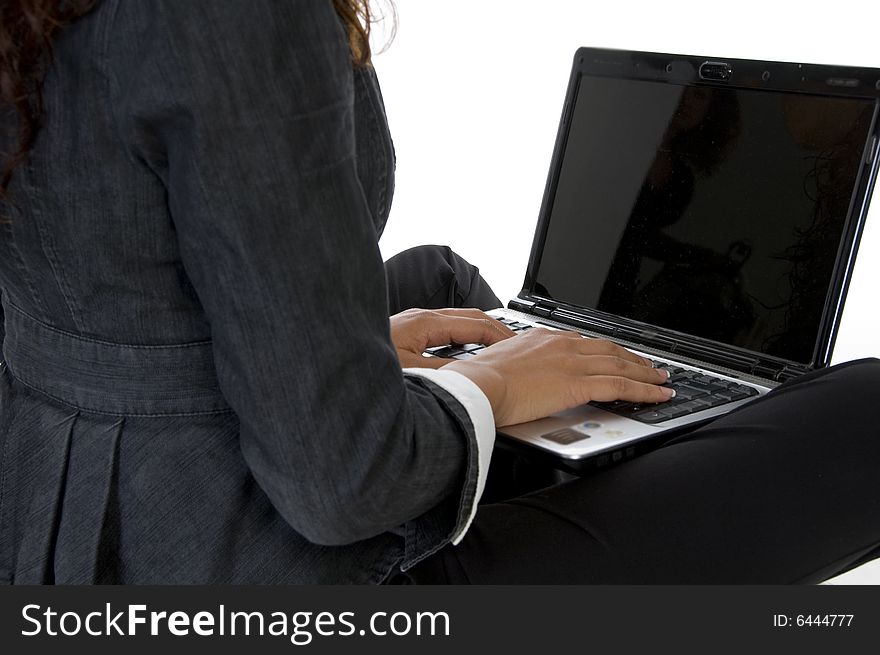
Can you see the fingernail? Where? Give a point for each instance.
(668, 374)
(670, 393)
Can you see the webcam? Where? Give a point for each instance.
(715, 71)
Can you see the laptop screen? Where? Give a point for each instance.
(712, 211)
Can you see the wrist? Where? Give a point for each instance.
(490, 382)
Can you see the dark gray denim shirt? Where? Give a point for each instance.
(200, 383)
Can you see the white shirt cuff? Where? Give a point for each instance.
(479, 410)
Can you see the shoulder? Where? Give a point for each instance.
(223, 62)
(294, 38)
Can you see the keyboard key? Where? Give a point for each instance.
(650, 416)
(693, 406)
(614, 405)
(449, 351)
(742, 388)
(688, 392)
(622, 407)
(714, 400)
(674, 412)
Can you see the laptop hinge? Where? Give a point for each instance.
(541, 308)
(766, 371)
(524, 306)
(789, 372)
(544, 308)
(777, 371)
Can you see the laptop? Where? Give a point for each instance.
(702, 212)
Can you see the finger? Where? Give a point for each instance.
(605, 388)
(618, 366)
(592, 346)
(469, 312)
(443, 329)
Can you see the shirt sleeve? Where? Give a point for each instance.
(479, 412)
(243, 109)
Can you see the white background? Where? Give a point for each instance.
(474, 89)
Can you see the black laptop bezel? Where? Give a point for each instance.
(834, 81)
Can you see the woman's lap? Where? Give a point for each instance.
(781, 491)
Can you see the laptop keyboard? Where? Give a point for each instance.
(694, 390)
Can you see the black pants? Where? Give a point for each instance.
(782, 490)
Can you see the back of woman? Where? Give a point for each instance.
(167, 134)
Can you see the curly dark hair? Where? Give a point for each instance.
(26, 31)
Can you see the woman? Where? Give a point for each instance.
(203, 385)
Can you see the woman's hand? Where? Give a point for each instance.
(545, 371)
(415, 330)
